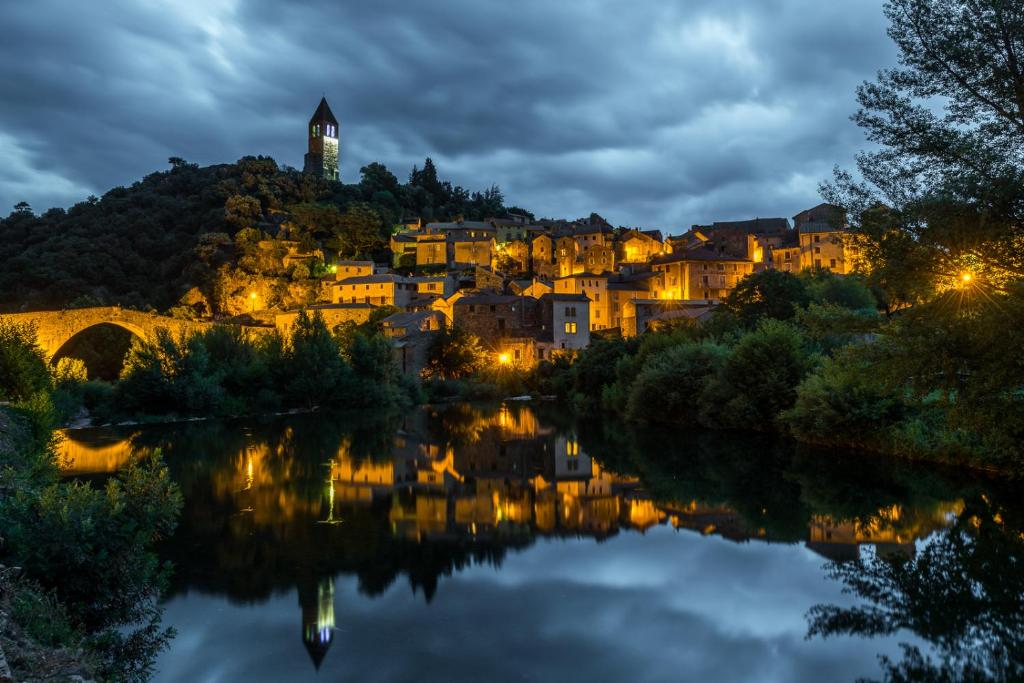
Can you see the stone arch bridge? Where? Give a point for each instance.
(55, 328)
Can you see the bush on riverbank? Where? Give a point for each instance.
(225, 372)
(90, 579)
(941, 381)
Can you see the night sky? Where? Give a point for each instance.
(661, 114)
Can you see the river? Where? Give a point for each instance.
(512, 542)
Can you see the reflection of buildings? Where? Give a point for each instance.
(476, 481)
(892, 530)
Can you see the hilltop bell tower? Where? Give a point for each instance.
(322, 157)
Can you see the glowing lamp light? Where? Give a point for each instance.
(252, 295)
(503, 358)
(966, 278)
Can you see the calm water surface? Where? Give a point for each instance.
(508, 542)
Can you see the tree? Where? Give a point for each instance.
(314, 370)
(671, 382)
(453, 354)
(242, 212)
(23, 370)
(768, 294)
(758, 380)
(359, 232)
(949, 124)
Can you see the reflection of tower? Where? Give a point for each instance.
(330, 505)
(318, 619)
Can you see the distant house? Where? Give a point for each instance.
(595, 287)
(705, 274)
(825, 240)
(566, 317)
(380, 290)
(347, 269)
(640, 315)
(410, 335)
(493, 316)
(640, 246)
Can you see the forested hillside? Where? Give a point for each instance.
(211, 232)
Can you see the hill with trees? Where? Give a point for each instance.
(209, 233)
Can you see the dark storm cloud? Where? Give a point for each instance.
(661, 114)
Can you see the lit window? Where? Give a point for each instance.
(570, 328)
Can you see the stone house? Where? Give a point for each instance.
(566, 318)
(825, 241)
(410, 335)
(380, 290)
(542, 256)
(640, 246)
(595, 287)
(346, 269)
(492, 317)
(702, 273)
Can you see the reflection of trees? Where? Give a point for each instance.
(963, 593)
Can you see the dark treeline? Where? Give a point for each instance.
(148, 244)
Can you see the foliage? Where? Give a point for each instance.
(23, 371)
(454, 353)
(191, 227)
(225, 371)
(844, 402)
(942, 190)
(759, 378)
(767, 294)
(669, 387)
(69, 372)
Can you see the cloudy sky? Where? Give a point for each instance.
(660, 114)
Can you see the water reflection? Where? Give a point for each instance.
(298, 501)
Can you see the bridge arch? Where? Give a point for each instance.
(54, 329)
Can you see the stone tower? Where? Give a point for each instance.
(322, 157)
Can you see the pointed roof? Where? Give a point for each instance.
(323, 114)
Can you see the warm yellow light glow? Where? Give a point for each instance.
(252, 295)
(503, 358)
(966, 278)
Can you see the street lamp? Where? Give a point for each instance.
(252, 302)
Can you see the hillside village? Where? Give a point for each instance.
(530, 290)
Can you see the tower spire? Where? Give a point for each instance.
(323, 150)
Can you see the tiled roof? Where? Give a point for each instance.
(751, 226)
(372, 279)
(698, 255)
(564, 297)
(488, 299)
